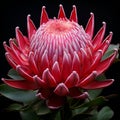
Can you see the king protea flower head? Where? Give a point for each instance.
(60, 58)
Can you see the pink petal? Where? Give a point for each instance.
(90, 26)
(11, 53)
(14, 47)
(61, 13)
(44, 16)
(10, 60)
(15, 53)
(30, 27)
(105, 63)
(96, 59)
(26, 40)
(24, 72)
(61, 89)
(55, 102)
(72, 79)
(76, 93)
(99, 36)
(85, 62)
(44, 61)
(66, 66)
(20, 39)
(105, 44)
(48, 78)
(40, 83)
(56, 72)
(88, 79)
(20, 84)
(32, 63)
(44, 93)
(7, 48)
(73, 16)
(76, 64)
(98, 84)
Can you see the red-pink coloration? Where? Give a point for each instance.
(60, 58)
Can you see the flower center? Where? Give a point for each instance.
(58, 26)
(58, 36)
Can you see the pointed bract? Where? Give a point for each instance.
(61, 90)
(56, 72)
(30, 27)
(90, 26)
(73, 16)
(48, 78)
(20, 39)
(99, 36)
(61, 13)
(44, 16)
(72, 79)
(21, 84)
(24, 73)
(103, 65)
(32, 63)
(10, 60)
(98, 84)
(55, 102)
(90, 78)
(105, 44)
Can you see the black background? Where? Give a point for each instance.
(14, 13)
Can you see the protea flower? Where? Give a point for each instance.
(60, 58)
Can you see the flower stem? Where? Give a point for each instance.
(65, 112)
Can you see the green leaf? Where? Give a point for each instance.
(41, 108)
(110, 51)
(14, 75)
(28, 115)
(15, 107)
(88, 108)
(95, 102)
(79, 110)
(94, 93)
(18, 95)
(58, 116)
(94, 115)
(113, 46)
(105, 113)
(101, 77)
(81, 117)
(89, 114)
